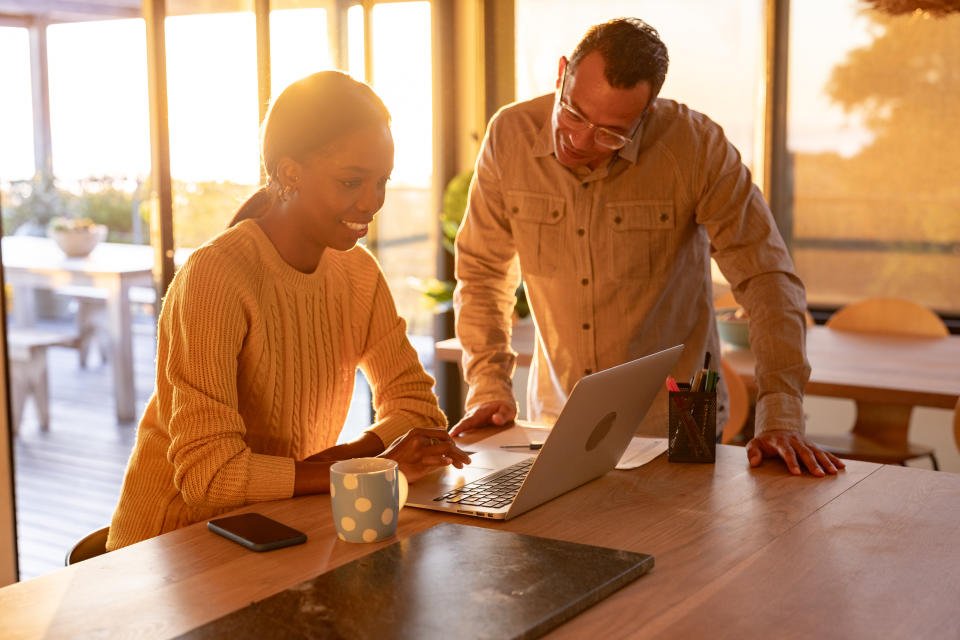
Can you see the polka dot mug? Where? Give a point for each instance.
(366, 495)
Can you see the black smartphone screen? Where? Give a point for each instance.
(256, 531)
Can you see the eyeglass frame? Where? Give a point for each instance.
(563, 105)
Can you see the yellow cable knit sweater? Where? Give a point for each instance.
(255, 369)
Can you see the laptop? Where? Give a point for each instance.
(593, 430)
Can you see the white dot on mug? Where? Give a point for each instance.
(350, 481)
(347, 523)
(362, 505)
(333, 490)
(387, 516)
(369, 535)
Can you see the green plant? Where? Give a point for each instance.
(61, 223)
(32, 204)
(439, 293)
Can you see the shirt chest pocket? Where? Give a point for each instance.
(639, 235)
(538, 222)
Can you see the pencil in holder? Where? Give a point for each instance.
(692, 435)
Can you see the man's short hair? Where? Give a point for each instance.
(632, 52)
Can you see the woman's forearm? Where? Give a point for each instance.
(313, 474)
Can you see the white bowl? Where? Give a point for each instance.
(79, 242)
(735, 331)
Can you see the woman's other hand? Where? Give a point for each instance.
(421, 451)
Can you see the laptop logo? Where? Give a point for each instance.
(601, 430)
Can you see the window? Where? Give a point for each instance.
(871, 128)
(16, 117)
(214, 119)
(715, 52)
(405, 238)
(298, 45)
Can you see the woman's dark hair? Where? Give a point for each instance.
(632, 52)
(307, 116)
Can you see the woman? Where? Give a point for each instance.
(263, 328)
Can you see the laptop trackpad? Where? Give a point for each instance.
(482, 463)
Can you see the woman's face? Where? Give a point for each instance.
(343, 186)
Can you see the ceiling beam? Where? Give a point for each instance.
(71, 10)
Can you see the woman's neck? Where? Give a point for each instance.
(292, 245)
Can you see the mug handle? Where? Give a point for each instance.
(402, 480)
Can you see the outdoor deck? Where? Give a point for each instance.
(68, 479)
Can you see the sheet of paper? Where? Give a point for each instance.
(639, 452)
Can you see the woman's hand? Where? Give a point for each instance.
(421, 451)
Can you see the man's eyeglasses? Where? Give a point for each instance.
(573, 119)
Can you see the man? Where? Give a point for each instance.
(610, 202)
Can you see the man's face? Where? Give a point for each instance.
(587, 92)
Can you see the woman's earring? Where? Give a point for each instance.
(287, 192)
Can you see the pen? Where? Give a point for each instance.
(532, 445)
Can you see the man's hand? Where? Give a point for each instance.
(790, 446)
(494, 413)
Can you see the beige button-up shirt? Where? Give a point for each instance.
(616, 263)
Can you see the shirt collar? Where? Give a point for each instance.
(543, 144)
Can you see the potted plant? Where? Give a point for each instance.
(439, 293)
(76, 237)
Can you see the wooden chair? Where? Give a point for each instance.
(27, 353)
(91, 545)
(739, 403)
(880, 431)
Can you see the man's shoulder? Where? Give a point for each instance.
(530, 115)
(673, 120)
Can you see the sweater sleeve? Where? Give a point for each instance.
(402, 391)
(204, 324)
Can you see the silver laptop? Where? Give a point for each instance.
(593, 430)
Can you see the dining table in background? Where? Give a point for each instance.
(32, 263)
(739, 553)
(871, 367)
(922, 372)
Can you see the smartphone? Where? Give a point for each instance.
(256, 531)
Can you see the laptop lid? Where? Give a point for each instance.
(593, 430)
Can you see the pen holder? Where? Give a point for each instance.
(692, 433)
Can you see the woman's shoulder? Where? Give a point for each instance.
(225, 258)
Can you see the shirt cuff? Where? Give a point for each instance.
(779, 411)
(490, 392)
(270, 478)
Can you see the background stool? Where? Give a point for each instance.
(27, 352)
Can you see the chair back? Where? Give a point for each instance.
(92, 544)
(739, 403)
(891, 316)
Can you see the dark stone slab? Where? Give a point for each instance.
(450, 581)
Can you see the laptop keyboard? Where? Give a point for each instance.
(495, 490)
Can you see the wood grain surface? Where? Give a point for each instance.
(742, 552)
